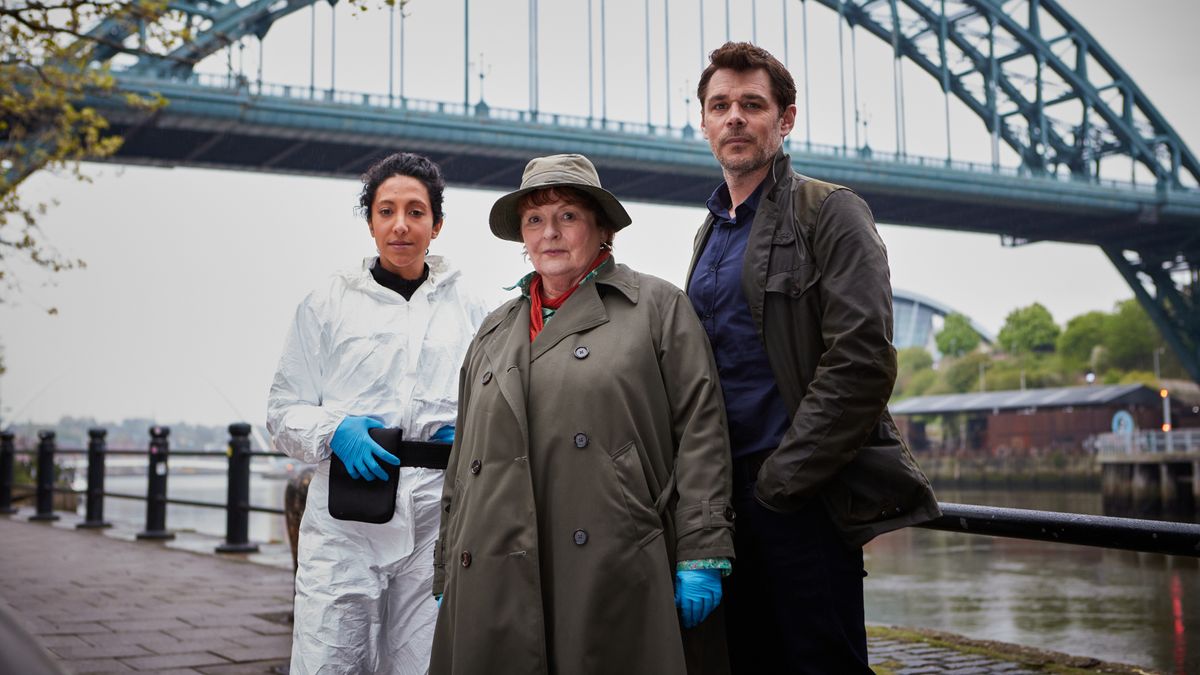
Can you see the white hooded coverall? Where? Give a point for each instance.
(363, 591)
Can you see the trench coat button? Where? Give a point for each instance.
(580, 537)
(475, 466)
(465, 558)
(581, 440)
(728, 513)
(487, 377)
(581, 352)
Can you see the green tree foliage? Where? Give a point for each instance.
(957, 337)
(913, 359)
(1078, 342)
(962, 375)
(1131, 337)
(1028, 329)
(921, 383)
(912, 362)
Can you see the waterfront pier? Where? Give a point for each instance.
(1150, 473)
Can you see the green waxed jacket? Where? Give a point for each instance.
(816, 277)
(586, 465)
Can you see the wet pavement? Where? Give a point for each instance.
(912, 657)
(101, 602)
(104, 604)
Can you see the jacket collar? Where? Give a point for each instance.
(779, 175)
(618, 277)
(777, 178)
(441, 272)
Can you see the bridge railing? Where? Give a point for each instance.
(1150, 536)
(244, 86)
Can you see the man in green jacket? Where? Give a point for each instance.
(790, 280)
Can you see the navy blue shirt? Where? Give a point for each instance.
(757, 414)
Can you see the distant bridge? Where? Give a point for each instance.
(1047, 94)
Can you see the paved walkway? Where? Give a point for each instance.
(102, 603)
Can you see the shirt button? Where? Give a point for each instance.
(487, 377)
(581, 352)
(581, 440)
(580, 537)
(708, 315)
(465, 558)
(712, 268)
(476, 466)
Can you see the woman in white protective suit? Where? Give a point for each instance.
(378, 346)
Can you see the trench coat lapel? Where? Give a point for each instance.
(509, 359)
(583, 310)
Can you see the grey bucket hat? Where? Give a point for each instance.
(574, 171)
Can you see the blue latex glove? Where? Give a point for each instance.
(439, 600)
(697, 594)
(353, 445)
(443, 435)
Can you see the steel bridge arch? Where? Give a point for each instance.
(1018, 65)
(936, 39)
(222, 23)
(973, 48)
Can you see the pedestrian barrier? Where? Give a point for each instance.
(1130, 534)
(237, 504)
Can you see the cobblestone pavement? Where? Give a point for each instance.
(913, 658)
(102, 603)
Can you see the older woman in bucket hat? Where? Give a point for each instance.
(586, 505)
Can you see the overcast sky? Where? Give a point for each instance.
(192, 275)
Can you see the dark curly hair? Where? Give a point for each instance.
(408, 164)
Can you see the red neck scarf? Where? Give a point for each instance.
(537, 299)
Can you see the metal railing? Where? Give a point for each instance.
(1183, 441)
(1129, 534)
(257, 88)
(237, 504)
(1126, 534)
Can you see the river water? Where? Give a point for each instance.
(1141, 609)
(1136, 608)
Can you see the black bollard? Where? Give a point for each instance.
(237, 505)
(95, 484)
(7, 451)
(45, 477)
(156, 487)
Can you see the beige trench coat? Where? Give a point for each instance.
(587, 463)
